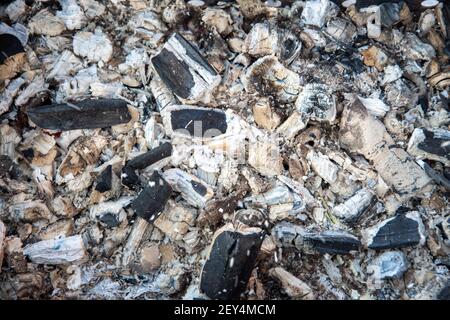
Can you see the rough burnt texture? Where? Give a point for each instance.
(86, 114)
(249, 149)
(230, 263)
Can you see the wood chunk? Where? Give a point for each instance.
(193, 190)
(403, 230)
(330, 241)
(293, 286)
(194, 122)
(362, 133)
(184, 71)
(433, 144)
(86, 114)
(104, 180)
(153, 156)
(230, 262)
(12, 56)
(2, 239)
(355, 206)
(150, 157)
(69, 250)
(151, 201)
(9, 46)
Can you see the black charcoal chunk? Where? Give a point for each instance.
(331, 242)
(444, 294)
(174, 73)
(230, 263)
(129, 175)
(433, 174)
(151, 201)
(110, 220)
(403, 230)
(199, 122)
(104, 180)
(86, 114)
(150, 157)
(183, 70)
(390, 13)
(9, 46)
(433, 144)
(7, 167)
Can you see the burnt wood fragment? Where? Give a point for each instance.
(183, 70)
(9, 46)
(86, 114)
(331, 242)
(230, 263)
(129, 175)
(104, 180)
(151, 201)
(403, 230)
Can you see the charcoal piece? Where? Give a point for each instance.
(433, 144)
(151, 201)
(129, 177)
(199, 188)
(7, 167)
(433, 174)
(332, 242)
(230, 263)
(150, 157)
(198, 122)
(104, 180)
(390, 13)
(183, 70)
(444, 294)
(403, 230)
(110, 220)
(86, 114)
(9, 46)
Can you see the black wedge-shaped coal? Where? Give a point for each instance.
(151, 201)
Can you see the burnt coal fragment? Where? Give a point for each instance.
(7, 167)
(403, 230)
(86, 114)
(183, 70)
(9, 46)
(229, 265)
(110, 220)
(129, 176)
(198, 122)
(104, 180)
(150, 157)
(331, 242)
(151, 201)
(433, 144)
(444, 294)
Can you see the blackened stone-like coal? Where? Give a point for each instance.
(199, 123)
(229, 265)
(9, 46)
(151, 201)
(86, 114)
(397, 233)
(104, 181)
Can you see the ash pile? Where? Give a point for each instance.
(224, 149)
